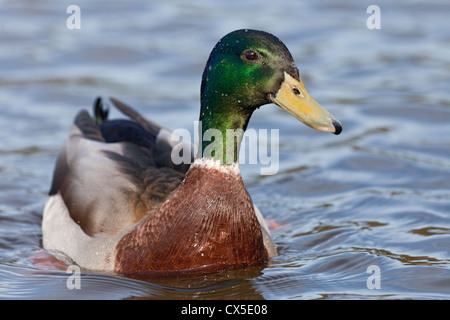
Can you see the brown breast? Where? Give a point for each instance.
(208, 222)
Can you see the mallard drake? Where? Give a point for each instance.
(117, 201)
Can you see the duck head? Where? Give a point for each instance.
(247, 69)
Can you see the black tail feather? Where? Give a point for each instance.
(101, 111)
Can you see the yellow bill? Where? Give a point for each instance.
(294, 98)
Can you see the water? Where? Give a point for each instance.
(376, 195)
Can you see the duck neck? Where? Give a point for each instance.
(223, 122)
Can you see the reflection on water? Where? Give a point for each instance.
(378, 194)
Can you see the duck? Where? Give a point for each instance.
(119, 203)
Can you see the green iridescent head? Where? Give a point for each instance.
(245, 70)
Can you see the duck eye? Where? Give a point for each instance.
(251, 55)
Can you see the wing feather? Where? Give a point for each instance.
(110, 186)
